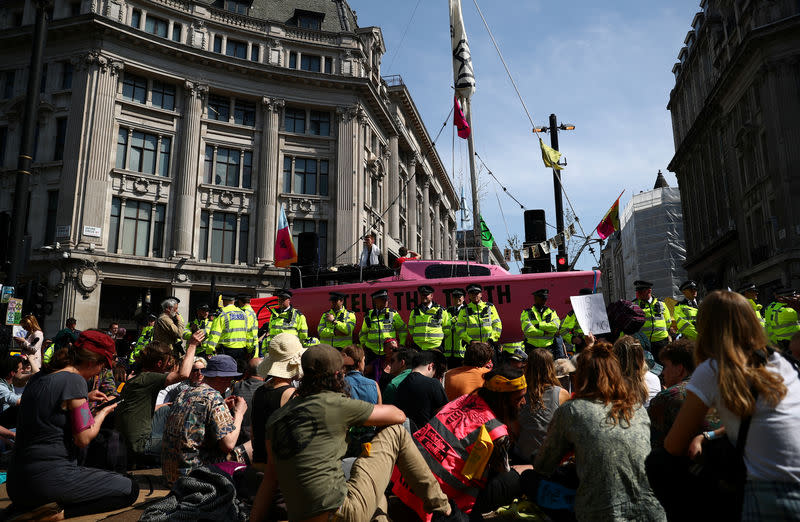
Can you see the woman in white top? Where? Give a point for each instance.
(732, 356)
(31, 345)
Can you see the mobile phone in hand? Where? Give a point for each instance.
(115, 400)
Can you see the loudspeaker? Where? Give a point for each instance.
(308, 249)
(535, 226)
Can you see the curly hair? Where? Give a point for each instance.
(599, 378)
(679, 352)
(313, 383)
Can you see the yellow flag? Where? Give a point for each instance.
(550, 156)
(479, 456)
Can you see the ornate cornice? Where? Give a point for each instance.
(196, 89)
(273, 104)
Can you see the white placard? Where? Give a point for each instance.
(92, 231)
(590, 310)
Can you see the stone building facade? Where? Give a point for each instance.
(736, 123)
(171, 132)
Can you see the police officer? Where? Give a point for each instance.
(380, 323)
(540, 325)
(454, 347)
(145, 336)
(337, 324)
(750, 292)
(478, 321)
(571, 330)
(285, 319)
(686, 311)
(229, 333)
(200, 322)
(782, 320)
(428, 322)
(657, 317)
(243, 302)
(514, 354)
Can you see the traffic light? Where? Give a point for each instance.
(562, 265)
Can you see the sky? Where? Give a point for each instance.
(605, 67)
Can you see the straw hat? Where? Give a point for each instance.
(283, 358)
(564, 367)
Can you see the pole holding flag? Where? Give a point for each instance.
(610, 222)
(463, 73)
(550, 156)
(285, 253)
(460, 121)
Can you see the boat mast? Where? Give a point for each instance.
(473, 177)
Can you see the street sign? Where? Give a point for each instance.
(8, 293)
(14, 311)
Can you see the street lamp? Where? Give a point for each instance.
(553, 129)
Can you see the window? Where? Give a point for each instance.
(7, 78)
(244, 237)
(17, 20)
(321, 228)
(320, 123)
(66, 75)
(134, 88)
(43, 81)
(136, 18)
(309, 62)
(113, 226)
(219, 108)
(156, 26)
(163, 95)
(163, 159)
(50, 221)
(305, 176)
(244, 113)
(217, 43)
(328, 66)
(136, 227)
(228, 166)
(143, 152)
(61, 137)
(3, 144)
(254, 53)
(295, 120)
(236, 49)
(131, 225)
(375, 192)
(74, 8)
(236, 7)
(159, 220)
(122, 148)
(309, 22)
(177, 29)
(223, 237)
(292, 60)
(203, 246)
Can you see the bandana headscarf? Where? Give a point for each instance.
(501, 384)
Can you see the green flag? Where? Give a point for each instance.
(487, 239)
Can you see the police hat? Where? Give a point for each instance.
(151, 317)
(283, 293)
(380, 294)
(518, 355)
(474, 288)
(228, 296)
(585, 291)
(335, 296)
(688, 285)
(203, 307)
(748, 287)
(425, 289)
(544, 293)
(457, 292)
(642, 285)
(785, 292)
(244, 297)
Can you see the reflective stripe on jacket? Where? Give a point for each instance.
(539, 327)
(781, 322)
(686, 319)
(339, 332)
(427, 326)
(379, 325)
(657, 319)
(454, 346)
(479, 322)
(229, 329)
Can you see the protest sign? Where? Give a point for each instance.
(590, 310)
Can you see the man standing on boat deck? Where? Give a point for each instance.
(371, 255)
(379, 324)
(479, 321)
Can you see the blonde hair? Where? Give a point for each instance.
(630, 355)
(729, 332)
(31, 322)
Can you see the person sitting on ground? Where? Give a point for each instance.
(31, 345)
(137, 419)
(200, 429)
(306, 441)
(361, 387)
(9, 398)
(55, 420)
(245, 388)
(545, 395)
(740, 376)
(477, 477)
(468, 378)
(168, 395)
(609, 431)
(634, 369)
(420, 396)
(280, 368)
(399, 370)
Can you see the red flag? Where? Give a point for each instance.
(610, 222)
(285, 254)
(460, 121)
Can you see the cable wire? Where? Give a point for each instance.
(403, 38)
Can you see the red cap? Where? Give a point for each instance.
(98, 342)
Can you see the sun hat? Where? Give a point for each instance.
(221, 366)
(283, 358)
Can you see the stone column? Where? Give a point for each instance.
(346, 171)
(393, 188)
(99, 140)
(268, 179)
(426, 217)
(437, 230)
(411, 207)
(185, 182)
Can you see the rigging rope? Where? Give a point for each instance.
(505, 223)
(403, 38)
